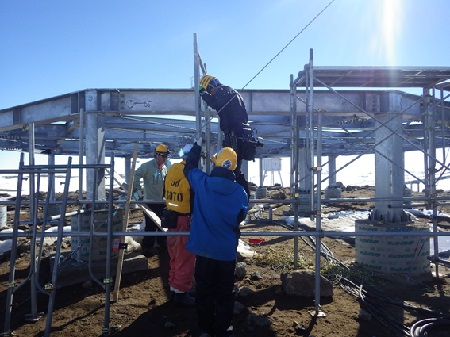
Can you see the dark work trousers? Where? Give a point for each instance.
(238, 146)
(149, 241)
(214, 294)
(240, 179)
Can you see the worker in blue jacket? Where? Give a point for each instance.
(220, 205)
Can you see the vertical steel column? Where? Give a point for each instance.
(107, 280)
(261, 175)
(294, 162)
(209, 151)
(80, 155)
(310, 130)
(389, 160)
(442, 110)
(51, 176)
(91, 237)
(332, 170)
(294, 140)
(198, 122)
(244, 169)
(81, 171)
(425, 145)
(307, 129)
(127, 168)
(33, 208)
(318, 215)
(315, 210)
(197, 101)
(430, 126)
(31, 161)
(95, 146)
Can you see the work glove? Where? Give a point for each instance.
(198, 141)
(201, 90)
(136, 195)
(197, 148)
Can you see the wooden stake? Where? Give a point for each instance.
(126, 216)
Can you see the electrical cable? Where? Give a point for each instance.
(423, 327)
(375, 302)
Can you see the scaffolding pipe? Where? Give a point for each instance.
(33, 208)
(52, 285)
(80, 161)
(275, 233)
(34, 315)
(318, 214)
(51, 176)
(261, 173)
(208, 140)
(294, 162)
(430, 140)
(107, 281)
(198, 121)
(91, 236)
(42, 236)
(13, 257)
(315, 170)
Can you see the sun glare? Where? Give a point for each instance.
(392, 14)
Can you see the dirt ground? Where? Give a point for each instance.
(364, 303)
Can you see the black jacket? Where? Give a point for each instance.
(231, 109)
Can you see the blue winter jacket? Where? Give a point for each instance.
(220, 204)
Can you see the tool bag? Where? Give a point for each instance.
(169, 219)
(244, 145)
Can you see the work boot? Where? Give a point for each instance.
(184, 300)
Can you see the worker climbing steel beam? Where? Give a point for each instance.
(230, 107)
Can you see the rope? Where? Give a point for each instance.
(287, 45)
(273, 58)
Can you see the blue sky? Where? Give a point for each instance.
(53, 47)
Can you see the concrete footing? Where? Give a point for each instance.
(392, 254)
(333, 192)
(261, 193)
(304, 207)
(74, 272)
(81, 247)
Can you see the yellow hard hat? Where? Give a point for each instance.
(204, 82)
(162, 148)
(226, 157)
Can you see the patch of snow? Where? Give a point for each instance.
(245, 249)
(5, 245)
